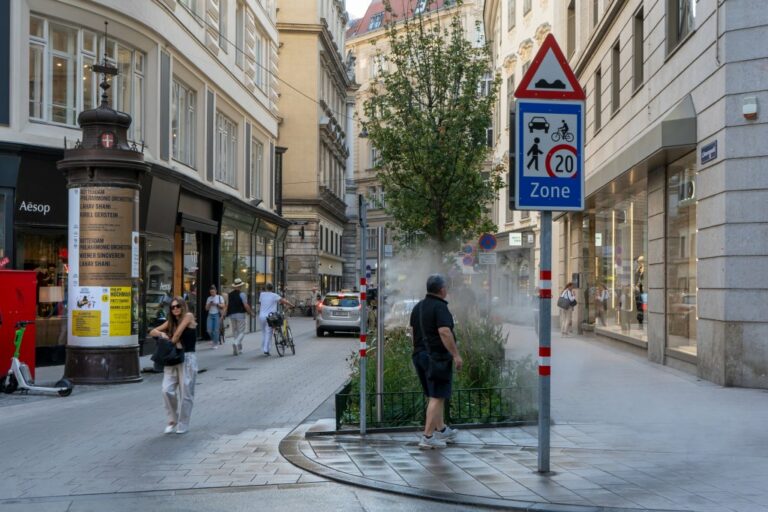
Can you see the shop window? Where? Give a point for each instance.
(681, 255)
(615, 283)
(45, 252)
(158, 280)
(183, 123)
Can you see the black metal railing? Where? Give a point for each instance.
(408, 408)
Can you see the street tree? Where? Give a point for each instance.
(427, 114)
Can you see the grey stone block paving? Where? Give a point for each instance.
(108, 439)
(629, 434)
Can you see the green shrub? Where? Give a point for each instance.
(481, 344)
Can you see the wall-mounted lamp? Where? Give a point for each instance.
(301, 232)
(363, 134)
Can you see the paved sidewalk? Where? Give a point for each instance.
(108, 439)
(629, 435)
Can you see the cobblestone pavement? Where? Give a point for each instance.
(629, 434)
(108, 439)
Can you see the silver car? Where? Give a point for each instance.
(339, 311)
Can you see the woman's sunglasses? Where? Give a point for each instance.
(175, 306)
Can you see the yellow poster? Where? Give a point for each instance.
(86, 323)
(120, 311)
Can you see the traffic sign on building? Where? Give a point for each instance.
(550, 135)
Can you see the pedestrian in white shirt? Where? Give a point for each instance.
(268, 301)
(566, 312)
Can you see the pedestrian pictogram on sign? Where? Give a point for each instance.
(549, 77)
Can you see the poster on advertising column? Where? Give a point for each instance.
(104, 253)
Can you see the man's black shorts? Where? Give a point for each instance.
(431, 388)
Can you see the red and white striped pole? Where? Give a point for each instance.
(363, 218)
(545, 339)
(545, 293)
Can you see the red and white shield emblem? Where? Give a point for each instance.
(107, 140)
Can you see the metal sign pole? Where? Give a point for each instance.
(363, 218)
(380, 325)
(545, 339)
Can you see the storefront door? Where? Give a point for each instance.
(191, 277)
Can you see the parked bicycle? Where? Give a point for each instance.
(281, 333)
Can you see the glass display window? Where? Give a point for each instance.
(157, 282)
(45, 252)
(681, 255)
(616, 283)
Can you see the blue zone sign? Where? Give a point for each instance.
(550, 156)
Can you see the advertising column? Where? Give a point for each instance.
(103, 172)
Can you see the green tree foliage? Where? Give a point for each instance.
(427, 114)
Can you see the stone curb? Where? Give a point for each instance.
(289, 449)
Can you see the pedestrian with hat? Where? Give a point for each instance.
(237, 307)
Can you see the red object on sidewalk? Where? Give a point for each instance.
(17, 303)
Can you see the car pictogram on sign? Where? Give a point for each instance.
(538, 123)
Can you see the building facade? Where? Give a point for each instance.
(515, 31)
(198, 79)
(675, 225)
(314, 127)
(367, 42)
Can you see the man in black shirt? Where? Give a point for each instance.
(432, 325)
(420, 355)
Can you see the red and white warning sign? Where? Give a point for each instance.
(550, 76)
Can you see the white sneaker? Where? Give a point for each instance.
(181, 430)
(448, 435)
(169, 429)
(430, 443)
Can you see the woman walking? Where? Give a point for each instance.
(179, 379)
(215, 307)
(268, 301)
(566, 312)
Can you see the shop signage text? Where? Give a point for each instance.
(30, 207)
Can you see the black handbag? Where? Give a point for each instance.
(440, 366)
(166, 353)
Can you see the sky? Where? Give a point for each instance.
(356, 8)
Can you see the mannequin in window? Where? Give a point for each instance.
(640, 295)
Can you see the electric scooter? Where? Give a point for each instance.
(19, 377)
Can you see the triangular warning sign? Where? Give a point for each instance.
(550, 77)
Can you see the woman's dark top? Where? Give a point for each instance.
(188, 339)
